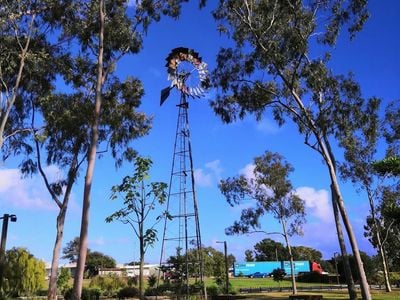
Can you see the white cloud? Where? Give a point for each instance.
(248, 171)
(202, 179)
(26, 193)
(317, 203)
(215, 166)
(210, 175)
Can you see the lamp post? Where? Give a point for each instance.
(335, 256)
(226, 267)
(6, 218)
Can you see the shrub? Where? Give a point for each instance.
(87, 294)
(163, 289)
(395, 278)
(278, 274)
(152, 280)
(213, 290)
(63, 280)
(316, 277)
(128, 292)
(109, 285)
(132, 281)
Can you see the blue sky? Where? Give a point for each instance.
(219, 150)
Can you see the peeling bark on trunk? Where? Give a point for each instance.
(83, 244)
(293, 278)
(381, 249)
(345, 259)
(52, 292)
(365, 292)
(325, 151)
(381, 252)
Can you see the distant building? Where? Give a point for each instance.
(70, 266)
(119, 270)
(129, 270)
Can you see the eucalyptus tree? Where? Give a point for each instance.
(26, 67)
(360, 150)
(139, 200)
(101, 32)
(31, 56)
(272, 65)
(268, 250)
(273, 194)
(248, 254)
(388, 166)
(64, 142)
(388, 217)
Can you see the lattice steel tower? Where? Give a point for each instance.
(181, 257)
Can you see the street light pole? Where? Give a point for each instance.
(5, 217)
(226, 267)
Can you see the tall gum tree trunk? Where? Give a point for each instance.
(345, 259)
(78, 280)
(294, 286)
(52, 292)
(365, 292)
(326, 153)
(381, 248)
(381, 251)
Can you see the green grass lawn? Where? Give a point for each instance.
(244, 282)
(337, 295)
(238, 283)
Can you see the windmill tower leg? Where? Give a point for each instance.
(181, 252)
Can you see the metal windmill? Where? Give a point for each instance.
(181, 234)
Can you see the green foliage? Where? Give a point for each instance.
(63, 280)
(249, 255)
(370, 266)
(128, 292)
(71, 250)
(108, 285)
(270, 250)
(96, 260)
(278, 274)
(395, 278)
(388, 213)
(132, 281)
(87, 294)
(24, 275)
(27, 61)
(389, 165)
(272, 191)
(139, 200)
(274, 64)
(214, 290)
(151, 281)
(313, 277)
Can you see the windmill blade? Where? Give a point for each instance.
(165, 93)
